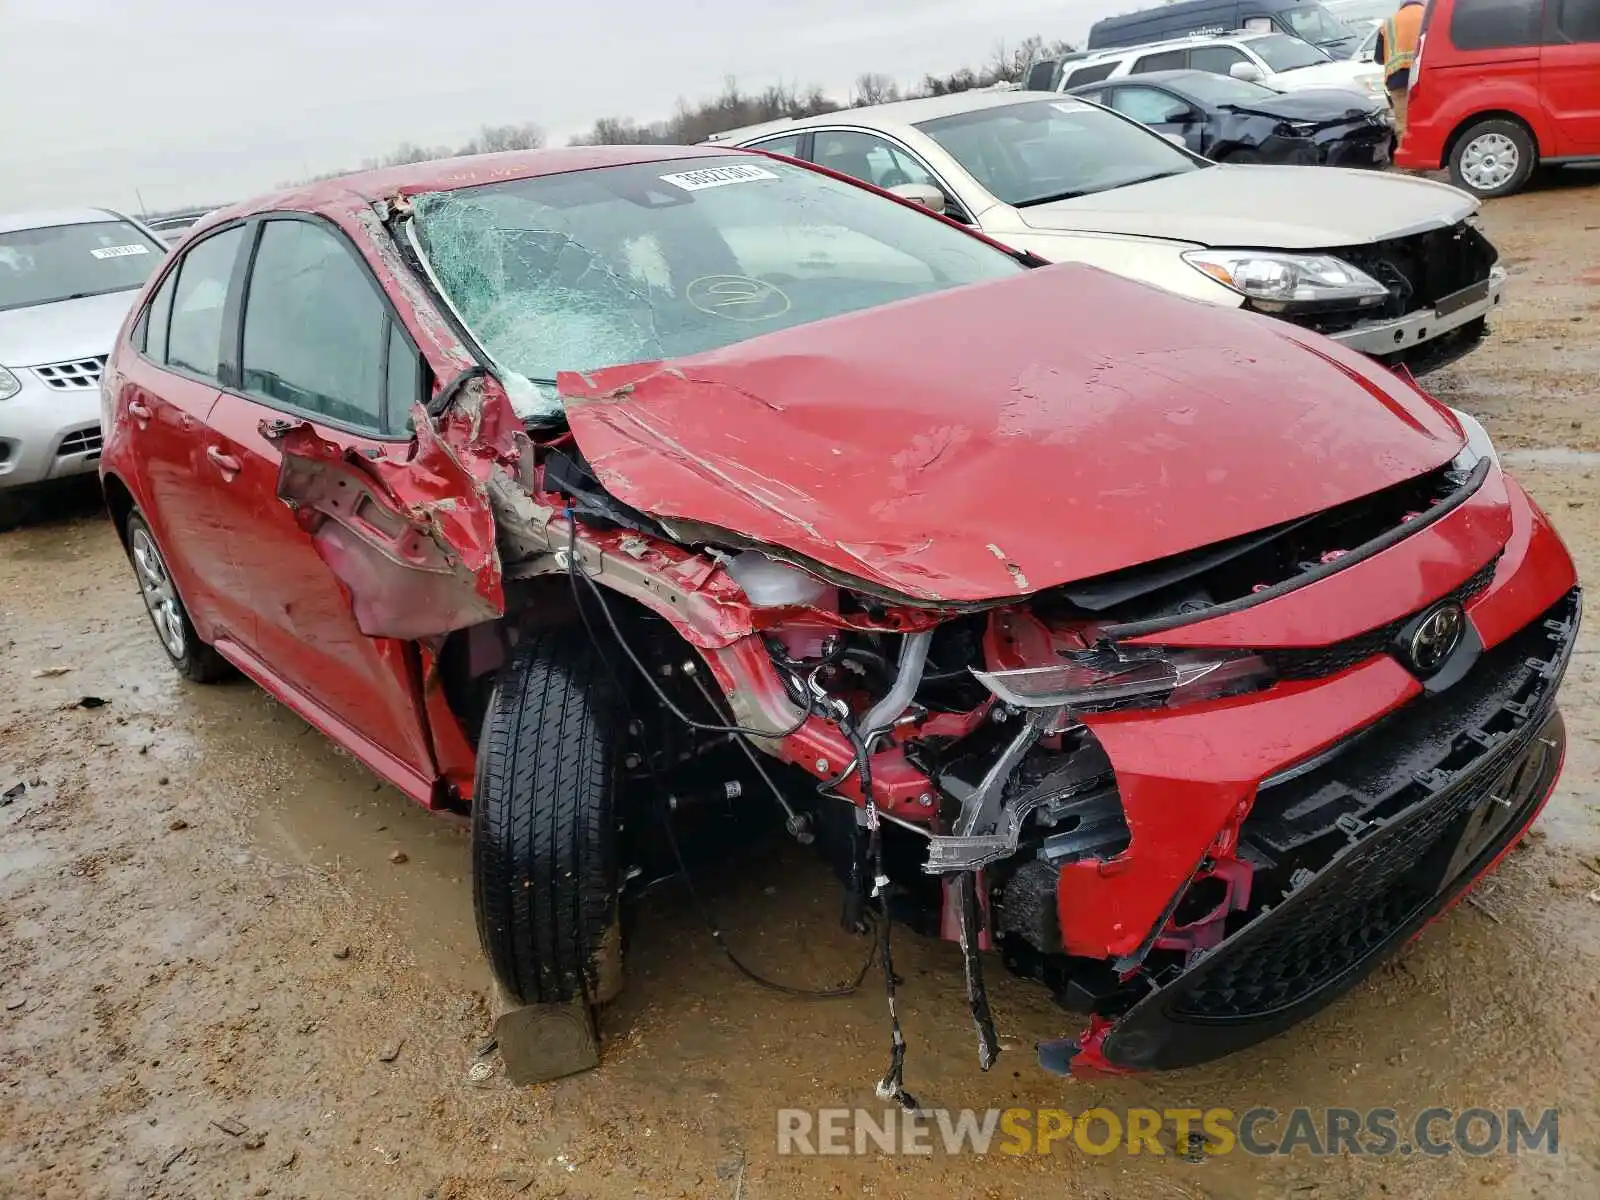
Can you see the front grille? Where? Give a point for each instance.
(80, 441)
(1367, 842)
(72, 376)
(1316, 662)
(1423, 269)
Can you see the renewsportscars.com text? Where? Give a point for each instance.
(1188, 1132)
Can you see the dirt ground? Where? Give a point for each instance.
(217, 980)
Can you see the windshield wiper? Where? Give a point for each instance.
(1051, 199)
(1141, 179)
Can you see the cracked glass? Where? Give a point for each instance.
(651, 261)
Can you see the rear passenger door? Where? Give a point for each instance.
(318, 343)
(1569, 76)
(167, 396)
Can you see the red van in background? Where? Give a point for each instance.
(1500, 87)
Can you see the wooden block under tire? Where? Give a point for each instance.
(541, 1042)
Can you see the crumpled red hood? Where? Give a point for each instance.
(1006, 437)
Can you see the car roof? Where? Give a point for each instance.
(1174, 43)
(448, 174)
(895, 114)
(1174, 79)
(45, 218)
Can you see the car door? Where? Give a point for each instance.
(167, 396)
(1173, 117)
(1569, 76)
(318, 344)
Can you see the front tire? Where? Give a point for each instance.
(1493, 158)
(194, 660)
(544, 828)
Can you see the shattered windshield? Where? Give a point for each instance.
(1044, 150)
(636, 263)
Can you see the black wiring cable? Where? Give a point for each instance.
(663, 812)
(892, 1085)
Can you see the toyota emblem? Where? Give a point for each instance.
(1436, 638)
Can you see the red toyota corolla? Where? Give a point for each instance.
(1184, 659)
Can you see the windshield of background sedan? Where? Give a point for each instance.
(655, 260)
(1044, 150)
(1284, 53)
(68, 262)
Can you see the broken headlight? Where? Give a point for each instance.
(1109, 677)
(1283, 282)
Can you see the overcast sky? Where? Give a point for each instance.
(201, 101)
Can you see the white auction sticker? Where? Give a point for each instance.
(710, 177)
(119, 251)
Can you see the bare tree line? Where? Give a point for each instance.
(732, 108)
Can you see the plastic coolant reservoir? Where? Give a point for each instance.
(773, 584)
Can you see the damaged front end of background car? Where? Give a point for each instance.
(1047, 708)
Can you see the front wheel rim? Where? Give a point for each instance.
(1489, 161)
(160, 596)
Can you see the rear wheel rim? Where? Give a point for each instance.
(160, 597)
(1490, 161)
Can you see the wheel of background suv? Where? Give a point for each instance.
(544, 830)
(1242, 155)
(194, 659)
(1493, 158)
(10, 511)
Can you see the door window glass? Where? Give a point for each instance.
(404, 379)
(788, 144)
(315, 330)
(870, 159)
(1493, 24)
(1579, 20)
(1092, 74)
(157, 318)
(1167, 60)
(1149, 106)
(194, 337)
(1218, 60)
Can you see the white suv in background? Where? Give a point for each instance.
(1275, 60)
(66, 281)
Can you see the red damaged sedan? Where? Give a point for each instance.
(1184, 660)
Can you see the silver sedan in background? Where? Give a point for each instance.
(66, 280)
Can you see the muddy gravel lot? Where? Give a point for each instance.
(233, 964)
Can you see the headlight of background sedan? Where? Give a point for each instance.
(1290, 282)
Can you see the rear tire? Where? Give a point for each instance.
(544, 830)
(1493, 158)
(194, 660)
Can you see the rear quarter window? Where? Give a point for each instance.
(1092, 74)
(1167, 60)
(1496, 24)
